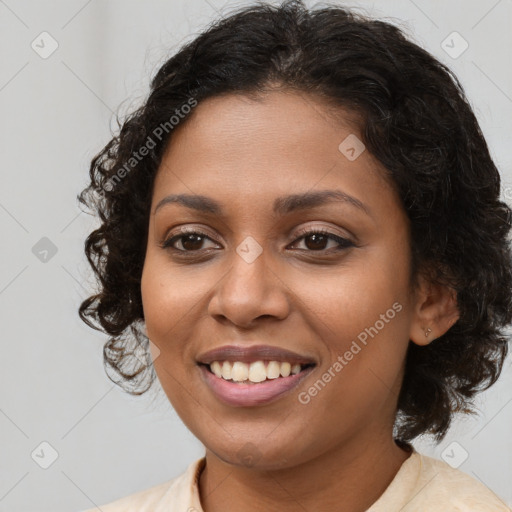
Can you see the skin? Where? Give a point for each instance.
(299, 294)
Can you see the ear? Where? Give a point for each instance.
(435, 311)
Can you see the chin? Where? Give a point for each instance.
(259, 455)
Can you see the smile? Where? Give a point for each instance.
(255, 372)
(261, 382)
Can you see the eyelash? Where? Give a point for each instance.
(344, 243)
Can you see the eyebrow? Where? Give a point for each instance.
(282, 205)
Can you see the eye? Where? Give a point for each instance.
(190, 241)
(315, 240)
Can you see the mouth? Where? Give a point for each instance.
(239, 372)
(250, 376)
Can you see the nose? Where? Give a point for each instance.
(248, 292)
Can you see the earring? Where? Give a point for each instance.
(427, 332)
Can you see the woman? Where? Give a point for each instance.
(305, 221)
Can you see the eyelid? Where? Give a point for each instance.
(343, 241)
(325, 230)
(185, 230)
(300, 232)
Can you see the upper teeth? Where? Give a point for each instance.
(254, 372)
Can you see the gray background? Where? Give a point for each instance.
(56, 113)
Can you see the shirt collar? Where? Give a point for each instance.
(183, 493)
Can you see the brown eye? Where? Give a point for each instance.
(316, 240)
(190, 241)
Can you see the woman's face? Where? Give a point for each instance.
(342, 300)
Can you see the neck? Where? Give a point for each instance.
(354, 475)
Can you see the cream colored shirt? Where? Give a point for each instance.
(422, 484)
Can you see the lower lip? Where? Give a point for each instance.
(247, 395)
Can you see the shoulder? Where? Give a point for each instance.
(141, 501)
(177, 492)
(440, 486)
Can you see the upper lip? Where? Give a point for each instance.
(249, 354)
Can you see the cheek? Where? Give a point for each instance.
(167, 296)
(363, 326)
(167, 299)
(351, 298)
(173, 299)
(362, 313)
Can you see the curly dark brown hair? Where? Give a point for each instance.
(415, 119)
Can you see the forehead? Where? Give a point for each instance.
(237, 147)
(286, 121)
